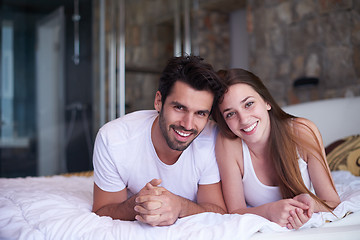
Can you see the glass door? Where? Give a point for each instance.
(46, 87)
(18, 121)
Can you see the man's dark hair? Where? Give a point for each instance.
(193, 71)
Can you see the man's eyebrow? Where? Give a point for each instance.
(175, 103)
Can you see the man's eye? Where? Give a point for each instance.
(203, 114)
(179, 107)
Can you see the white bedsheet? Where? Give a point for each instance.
(60, 208)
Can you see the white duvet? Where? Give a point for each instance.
(60, 208)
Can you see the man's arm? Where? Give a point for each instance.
(172, 207)
(116, 204)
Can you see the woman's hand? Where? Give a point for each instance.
(281, 211)
(299, 217)
(308, 200)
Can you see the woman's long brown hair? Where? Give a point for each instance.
(283, 141)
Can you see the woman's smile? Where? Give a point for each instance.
(250, 129)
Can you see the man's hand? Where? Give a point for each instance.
(157, 206)
(160, 208)
(150, 189)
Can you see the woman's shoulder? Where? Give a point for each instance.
(228, 152)
(307, 129)
(304, 124)
(225, 145)
(223, 140)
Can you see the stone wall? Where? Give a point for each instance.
(308, 38)
(149, 43)
(149, 37)
(212, 37)
(288, 39)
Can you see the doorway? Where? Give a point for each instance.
(50, 93)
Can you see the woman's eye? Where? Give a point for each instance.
(229, 115)
(248, 104)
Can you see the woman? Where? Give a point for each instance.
(271, 163)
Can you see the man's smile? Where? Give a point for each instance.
(182, 133)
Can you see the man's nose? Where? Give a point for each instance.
(188, 121)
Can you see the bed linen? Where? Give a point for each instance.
(59, 207)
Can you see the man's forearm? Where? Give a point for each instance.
(122, 211)
(190, 208)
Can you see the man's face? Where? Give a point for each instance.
(183, 115)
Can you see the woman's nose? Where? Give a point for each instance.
(242, 117)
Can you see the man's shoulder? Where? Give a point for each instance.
(133, 119)
(128, 126)
(209, 133)
(203, 147)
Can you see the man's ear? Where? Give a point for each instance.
(157, 101)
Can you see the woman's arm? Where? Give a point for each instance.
(228, 156)
(318, 168)
(230, 161)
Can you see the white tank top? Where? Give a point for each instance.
(256, 193)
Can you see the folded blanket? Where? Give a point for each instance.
(60, 208)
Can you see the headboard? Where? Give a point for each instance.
(336, 118)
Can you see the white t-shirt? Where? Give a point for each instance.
(124, 156)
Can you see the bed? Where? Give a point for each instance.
(59, 207)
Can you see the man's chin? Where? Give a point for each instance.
(179, 146)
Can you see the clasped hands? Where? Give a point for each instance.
(157, 206)
(292, 213)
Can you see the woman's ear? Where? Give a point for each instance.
(157, 101)
(268, 106)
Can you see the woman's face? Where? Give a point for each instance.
(246, 113)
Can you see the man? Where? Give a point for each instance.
(158, 166)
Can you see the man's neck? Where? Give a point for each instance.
(164, 152)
